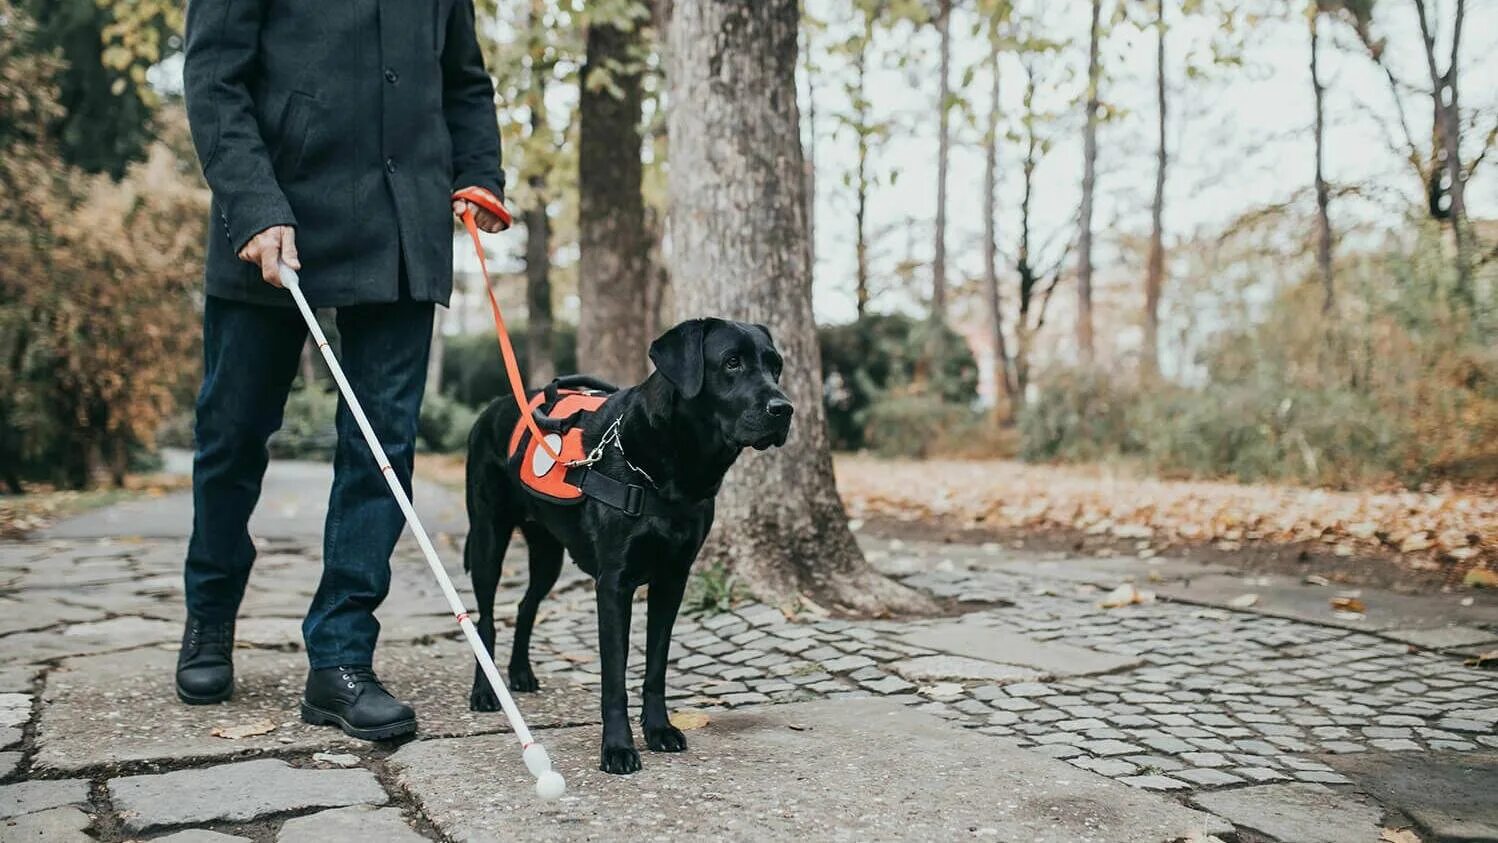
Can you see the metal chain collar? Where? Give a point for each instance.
(610, 437)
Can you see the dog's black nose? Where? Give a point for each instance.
(780, 407)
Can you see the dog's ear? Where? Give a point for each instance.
(677, 354)
(768, 335)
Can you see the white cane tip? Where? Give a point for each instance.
(550, 786)
(536, 759)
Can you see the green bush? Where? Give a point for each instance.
(473, 370)
(918, 425)
(444, 424)
(881, 354)
(309, 426)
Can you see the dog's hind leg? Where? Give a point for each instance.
(483, 556)
(546, 566)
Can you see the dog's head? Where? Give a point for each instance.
(731, 371)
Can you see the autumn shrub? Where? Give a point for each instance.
(1400, 382)
(98, 286)
(875, 360)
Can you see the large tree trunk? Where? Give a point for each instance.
(1323, 191)
(611, 340)
(1089, 180)
(811, 157)
(943, 154)
(1003, 374)
(540, 367)
(739, 250)
(1154, 274)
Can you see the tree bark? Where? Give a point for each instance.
(811, 158)
(1003, 374)
(1089, 180)
(943, 154)
(540, 366)
(1445, 93)
(1323, 191)
(611, 341)
(860, 213)
(739, 250)
(1154, 276)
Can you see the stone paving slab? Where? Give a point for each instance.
(236, 793)
(354, 824)
(849, 770)
(199, 835)
(1449, 796)
(1005, 647)
(100, 636)
(56, 825)
(122, 708)
(31, 796)
(1297, 813)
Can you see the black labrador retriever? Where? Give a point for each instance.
(714, 392)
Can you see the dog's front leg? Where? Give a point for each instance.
(664, 601)
(618, 754)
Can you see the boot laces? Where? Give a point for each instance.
(356, 677)
(211, 634)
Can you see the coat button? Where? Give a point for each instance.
(391, 76)
(389, 165)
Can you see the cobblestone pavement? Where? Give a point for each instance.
(1175, 698)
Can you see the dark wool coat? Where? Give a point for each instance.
(353, 121)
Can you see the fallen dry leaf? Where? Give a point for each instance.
(1398, 835)
(244, 730)
(1126, 595)
(797, 727)
(1482, 659)
(1243, 601)
(1481, 578)
(1349, 604)
(688, 720)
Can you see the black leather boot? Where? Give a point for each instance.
(205, 664)
(353, 699)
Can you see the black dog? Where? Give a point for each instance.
(715, 391)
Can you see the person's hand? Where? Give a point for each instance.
(275, 243)
(486, 219)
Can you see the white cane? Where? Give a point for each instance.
(549, 783)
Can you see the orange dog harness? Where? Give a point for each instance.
(541, 473)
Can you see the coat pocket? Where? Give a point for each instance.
(291, 138)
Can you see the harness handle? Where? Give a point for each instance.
(487, 200)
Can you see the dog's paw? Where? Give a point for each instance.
(619, 760)
(523, 680)
(482, 699)
(665, 739)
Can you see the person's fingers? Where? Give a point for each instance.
(268, 255)
(251, 251)
(458, 206)
(488, 221)
(288, 248)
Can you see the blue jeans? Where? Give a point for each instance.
(250, 356)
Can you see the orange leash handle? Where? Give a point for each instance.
(512, 367)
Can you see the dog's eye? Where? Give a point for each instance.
(733, 363)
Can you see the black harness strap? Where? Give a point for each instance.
(630, 498)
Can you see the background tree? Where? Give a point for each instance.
(612, 271)
(105, 122)
(735, 138)
(994, 17)
(1154, 273)
(1089, 186)
(1323, 191)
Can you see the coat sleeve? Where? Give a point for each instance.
(468, 106)
(221, 56)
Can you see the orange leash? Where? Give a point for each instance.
(512, 366)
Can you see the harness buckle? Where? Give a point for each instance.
(634, 500)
